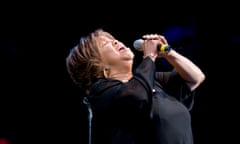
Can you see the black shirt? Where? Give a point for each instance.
(151, 108)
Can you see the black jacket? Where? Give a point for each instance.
(151, 108)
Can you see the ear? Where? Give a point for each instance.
(106, 72)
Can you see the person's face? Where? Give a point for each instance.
(113, 51)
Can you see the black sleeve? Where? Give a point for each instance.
(145, 73)
(178, 88)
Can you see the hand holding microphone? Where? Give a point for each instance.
(161, 47)
(138, 45)
(152, 45)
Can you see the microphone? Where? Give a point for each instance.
(137, 44)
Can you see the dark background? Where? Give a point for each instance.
(40, 104)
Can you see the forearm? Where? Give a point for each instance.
(190, 72)
(146, 72)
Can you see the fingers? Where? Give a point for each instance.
(151, 37)
(161, 38)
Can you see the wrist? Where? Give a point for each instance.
(152, 56)
(164, 48)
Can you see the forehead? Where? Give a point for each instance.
(105, 36)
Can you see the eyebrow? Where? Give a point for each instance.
(107, 41)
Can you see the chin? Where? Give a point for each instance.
(131, 57)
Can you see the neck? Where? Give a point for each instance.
(124, 77)
(122, 73)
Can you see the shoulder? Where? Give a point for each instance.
(103, 84)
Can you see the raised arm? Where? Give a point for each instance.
(190, 72)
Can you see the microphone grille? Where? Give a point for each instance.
(137, 44)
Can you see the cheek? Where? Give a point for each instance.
(109, 56)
